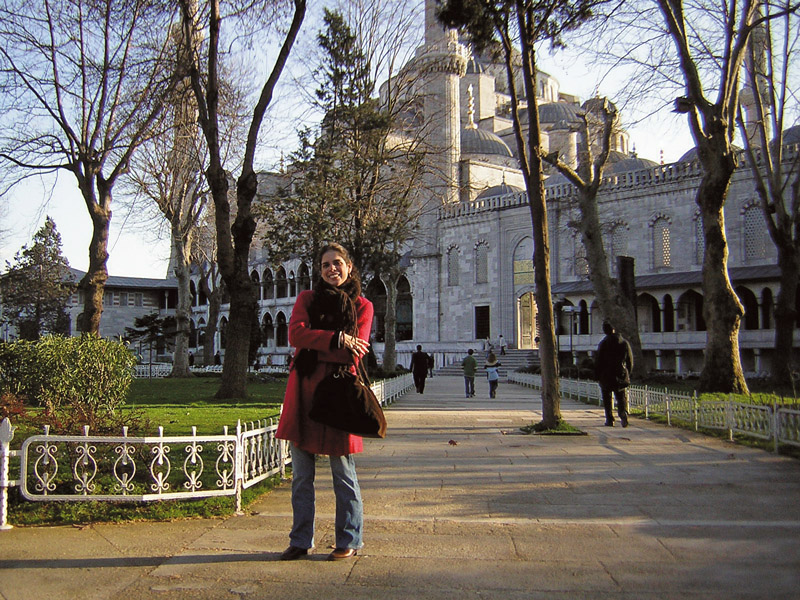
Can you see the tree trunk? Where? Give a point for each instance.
(614, 305)
(93, 283)
(180, 363)
(390, 325)
(234, 256)
(722, 311)
(785, 315)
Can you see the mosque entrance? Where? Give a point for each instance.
(527, 322)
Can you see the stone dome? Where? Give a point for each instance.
(628, 164)
(792, 135)
(499, 190)
(558, 111)
(481, 141)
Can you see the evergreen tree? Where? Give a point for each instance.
(38, 285)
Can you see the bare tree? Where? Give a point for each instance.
(695, 31)
(168, 172)
(596, 128)
(234, 234)
(765, 111)
(515, 26)
(83, 86)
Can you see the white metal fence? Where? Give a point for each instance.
(145, 468)
(774, 423)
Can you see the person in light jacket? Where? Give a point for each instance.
(492, 374)
(329, 326)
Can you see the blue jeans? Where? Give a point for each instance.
(349, 509)
(469, 386)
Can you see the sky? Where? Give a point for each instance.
(142, 250)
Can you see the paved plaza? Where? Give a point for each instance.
(460, 505)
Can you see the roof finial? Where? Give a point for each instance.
(470, 108)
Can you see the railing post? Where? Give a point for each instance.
(238, 469)
(776, 425)
(646, 404)
(669, 411)
(6, 435)
(695, 411)
(729, 417)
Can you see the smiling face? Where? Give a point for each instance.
(335, 268)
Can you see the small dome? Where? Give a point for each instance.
(628, 164)
(499, 190)
(689, 156)
(558, 111)
(474, 66)
(595, 105)
(792, 135)
(480, 141)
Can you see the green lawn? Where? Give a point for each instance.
(179, 404)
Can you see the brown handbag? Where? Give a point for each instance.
(344, 401)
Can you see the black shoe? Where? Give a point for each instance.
(609, 423)
(293, 553)
(624, 421)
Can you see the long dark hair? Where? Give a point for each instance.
(345, 254)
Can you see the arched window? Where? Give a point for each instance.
(193, 292)
(616, 244)
(662, 250)
(482, 262)
(755, 233)
(256, 281)
(280, 283)
(268, 286)
(268, 329)
(375, 292)
(303, 278)
(281, 331)
(453, 264)
(523, 262)
(223, 333)
(767, 309)
(699, 239)
(405, 311)
(580, 266)
(192, 334)
(201, 332)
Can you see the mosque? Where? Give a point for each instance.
(469, 273)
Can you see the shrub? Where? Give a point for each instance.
(76, 380)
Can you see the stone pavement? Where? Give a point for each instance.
(460, 505)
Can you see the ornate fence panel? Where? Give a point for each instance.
(781, 425)
(144, 468)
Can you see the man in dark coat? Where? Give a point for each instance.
(613, 372)
(419, 368)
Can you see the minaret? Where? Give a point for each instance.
(441, 63)
(755, 62)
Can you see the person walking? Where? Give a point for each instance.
(419, 369)
(492, 374)
(503, 345)
(613, 372)
(329, 326)
(470, 365)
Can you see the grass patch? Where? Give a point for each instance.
(563, 428)
(25, 513)
(177, 405)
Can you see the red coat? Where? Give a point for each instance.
(294, 423)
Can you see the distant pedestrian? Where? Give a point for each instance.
(217, 358)
(470, 365)
(613, 372)
(492, 374)
(191, 359)
(431, 364)
(419, 369)
(502, 342)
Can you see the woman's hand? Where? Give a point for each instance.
(355, 344)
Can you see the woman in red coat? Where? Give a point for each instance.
(329, 327)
